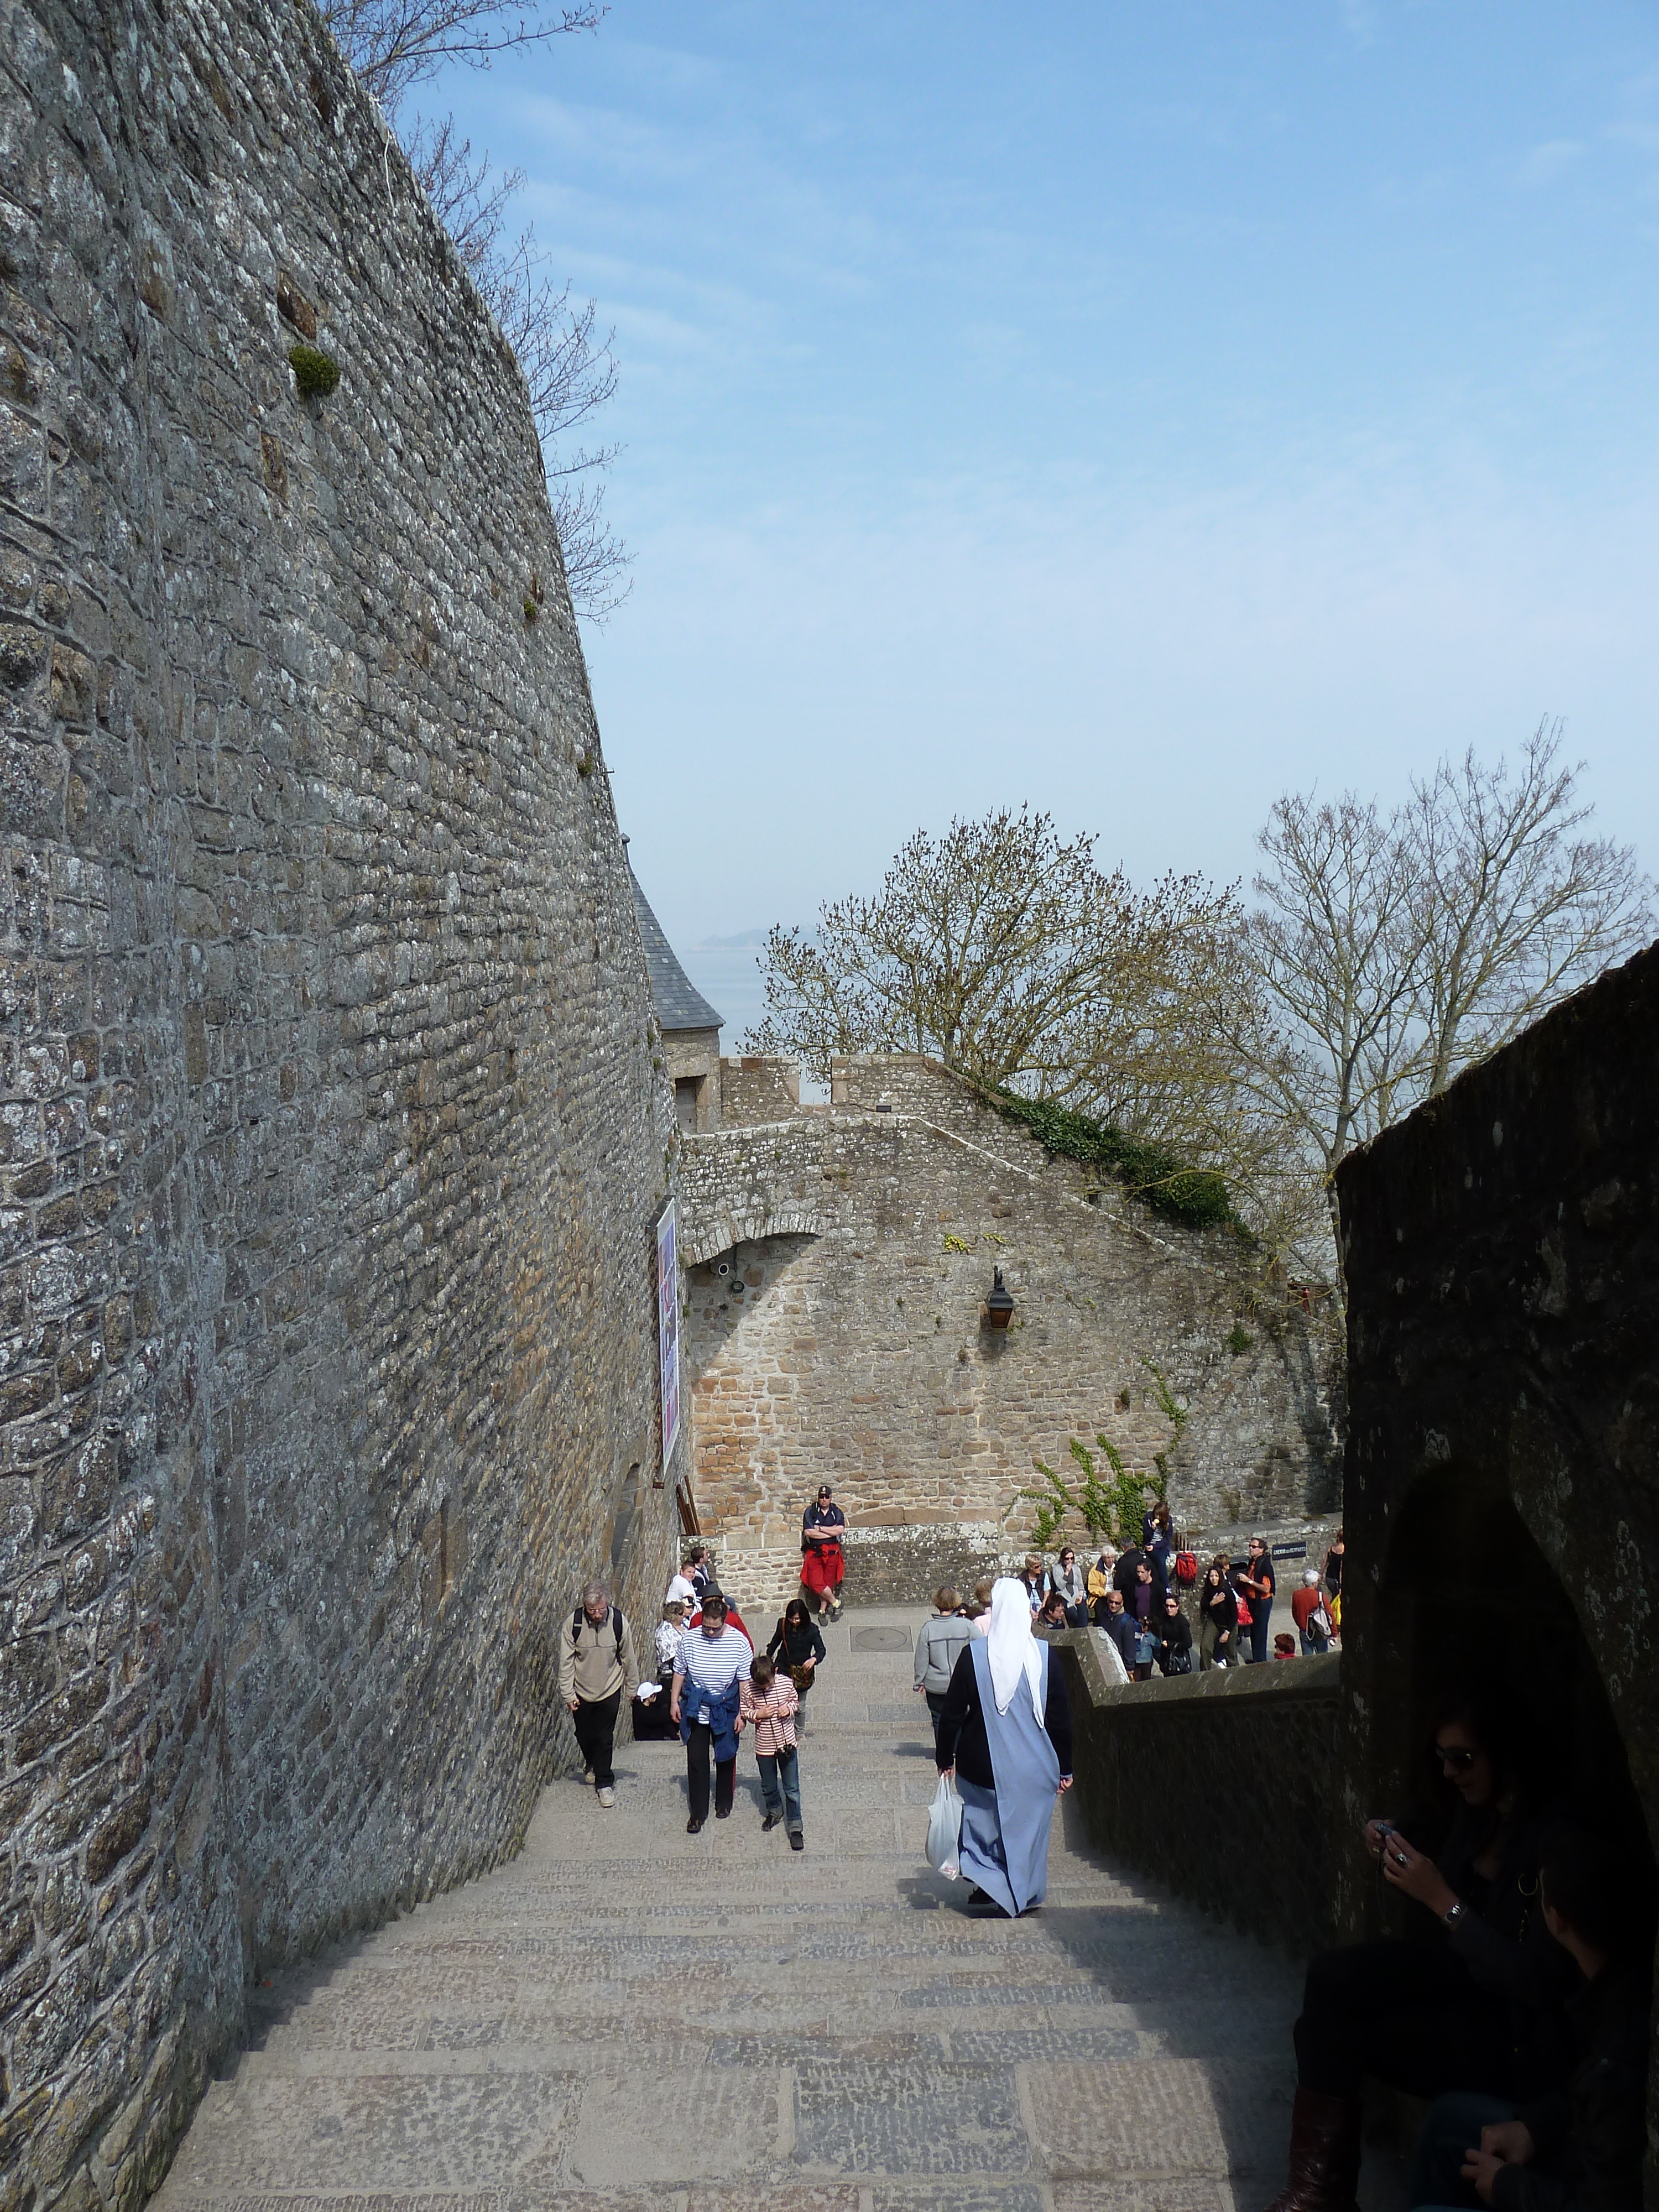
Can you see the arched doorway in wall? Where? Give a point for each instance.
(1467, 1595)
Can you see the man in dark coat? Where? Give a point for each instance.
(1125, 1572)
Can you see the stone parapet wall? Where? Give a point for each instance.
(911, 1082)
(756, 1088)
(329, 1143)
(884, 1566)
(1219, 1785)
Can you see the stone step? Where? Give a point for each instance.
(628, 2016)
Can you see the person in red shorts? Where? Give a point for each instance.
(822, 1529)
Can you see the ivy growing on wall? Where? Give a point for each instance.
(1196, 1197)
(1106, 1508)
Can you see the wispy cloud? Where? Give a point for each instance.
(1547, 163)
(1360, 19)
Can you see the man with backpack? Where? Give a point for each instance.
(596, 1669)
(1307, 1610)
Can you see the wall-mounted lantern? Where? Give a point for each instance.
(1000, 1306)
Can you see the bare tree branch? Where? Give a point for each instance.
(467, 199)
(571, 371)
(1389, 954)
(1514, 911)
(394, 45)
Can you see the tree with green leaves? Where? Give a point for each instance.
(1005, 950)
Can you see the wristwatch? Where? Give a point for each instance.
(1455, 1913)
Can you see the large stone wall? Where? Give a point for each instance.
(329, 1142)
(838, 1260)
(1502, 1250)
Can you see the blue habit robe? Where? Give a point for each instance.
(1005, 1830)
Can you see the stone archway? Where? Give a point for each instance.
(1468, 1593)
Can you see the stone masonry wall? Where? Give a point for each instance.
(758, 1087)
(837, 1263)
(1218, 1784)
(329, 1142)
(1502, 1247)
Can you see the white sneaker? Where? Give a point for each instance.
(607, 1796)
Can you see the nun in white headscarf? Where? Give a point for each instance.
(1006, 1727)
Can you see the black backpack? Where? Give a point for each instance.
(580, 1615)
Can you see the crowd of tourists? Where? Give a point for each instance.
(710, 1683)
(1138, 1597)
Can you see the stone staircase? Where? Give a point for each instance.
(628, 2017)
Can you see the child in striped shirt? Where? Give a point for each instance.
(769, 1703)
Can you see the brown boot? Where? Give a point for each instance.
(1324, 2154)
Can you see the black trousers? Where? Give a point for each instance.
(596, 1733)
(1405, 2014)
(698, 1749)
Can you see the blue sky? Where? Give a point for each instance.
(1138, 410)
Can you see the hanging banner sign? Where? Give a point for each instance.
(668, 1329)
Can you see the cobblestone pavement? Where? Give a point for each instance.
(629, 2017)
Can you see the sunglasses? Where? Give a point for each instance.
(1456, 1758)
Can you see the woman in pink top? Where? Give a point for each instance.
(769, 1704)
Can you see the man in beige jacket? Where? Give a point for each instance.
(596, 1669)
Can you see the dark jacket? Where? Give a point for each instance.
(1589, 2139)
(1224, 1612)
(1122, 1630)
(1123, 1575)
(1501, 1939)
(1258, 1571)
(1175, 1646)
(794, 1647)
(962, 1740)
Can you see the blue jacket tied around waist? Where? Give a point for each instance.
(722, 1706)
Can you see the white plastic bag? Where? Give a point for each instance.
(944, 1830)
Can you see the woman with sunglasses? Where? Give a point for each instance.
(1479, 2010)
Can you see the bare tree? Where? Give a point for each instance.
(1512, 910)
(1327, 1040)
(1391, 952)
(998, 947)
(571, 370)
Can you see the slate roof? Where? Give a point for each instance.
(679, 1004)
